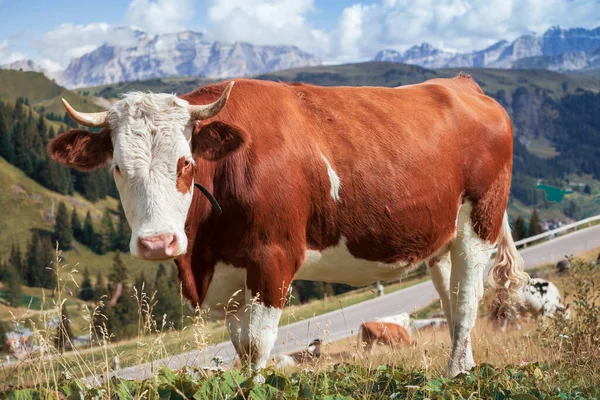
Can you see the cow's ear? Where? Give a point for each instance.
(81, 149)
(217, 139)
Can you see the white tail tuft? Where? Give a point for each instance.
(507, 275)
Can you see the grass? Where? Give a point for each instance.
(520, 363)
(41, 92)
(542, 148)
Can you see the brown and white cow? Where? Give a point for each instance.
(337, 184)
(372, 333)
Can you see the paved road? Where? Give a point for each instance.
(344, 323)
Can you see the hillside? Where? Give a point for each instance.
(26, 206)
(42, 93)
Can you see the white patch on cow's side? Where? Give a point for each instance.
(221, 294)
(334, 180)
(402, 319)
(470, 255)
(337, 265)
(150, 133)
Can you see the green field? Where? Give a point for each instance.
(41, 92)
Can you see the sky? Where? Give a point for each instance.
(53, 32)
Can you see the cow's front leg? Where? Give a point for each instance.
(254, 327)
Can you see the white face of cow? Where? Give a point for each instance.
(151, 159)
(150, 139)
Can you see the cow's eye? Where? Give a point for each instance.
(186, 164)
(117, 169)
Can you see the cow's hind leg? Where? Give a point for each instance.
(440, 269)
(469, 254)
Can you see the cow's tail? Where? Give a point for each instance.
(507, 275)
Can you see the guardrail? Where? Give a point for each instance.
(550, 234)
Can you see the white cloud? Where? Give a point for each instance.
(359, 32)
(461, 25)
(68, 41)
(266, 22)
(160, 16)
(7, 55)
(363, 29)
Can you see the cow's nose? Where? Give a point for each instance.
(157, 247)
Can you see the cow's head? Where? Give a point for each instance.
(152, 141)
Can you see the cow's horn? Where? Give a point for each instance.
(210, 110)
(93, 120)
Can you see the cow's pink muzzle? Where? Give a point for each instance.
(157, 247)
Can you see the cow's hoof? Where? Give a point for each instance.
(452, 371)
(258, 378)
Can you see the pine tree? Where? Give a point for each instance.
(123, 318)
(519, 230)
(534, 224)
(109, 235)
(119, 271)
(123, 231)
(587, 189)
(47, 266)
(167, 296)
(88, 230)
(12, 284)
(87, 291)
(35, 266)
(142, 285)
(63, 233)
(22, 148)
(64, 333)
(100, 287)
(16, 261)
(7, 149)
(76, 226)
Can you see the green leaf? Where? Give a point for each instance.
(279, 382)
(263, 392)
(524, 396)
(166, 376)
(23, 394)
(304, 391)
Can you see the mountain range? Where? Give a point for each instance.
(146, 56)
(556, 50)
(185, 53)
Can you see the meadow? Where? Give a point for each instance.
(547, 359)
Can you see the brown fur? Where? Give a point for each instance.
(407, 158)
(81, 149)
(185, 175)
(373, 333)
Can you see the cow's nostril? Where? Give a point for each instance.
(157, 247)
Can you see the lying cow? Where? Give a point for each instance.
(338, 184)
(377, 332)
(430, 323)
(540, 298)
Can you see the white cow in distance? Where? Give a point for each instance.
(540, 298)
